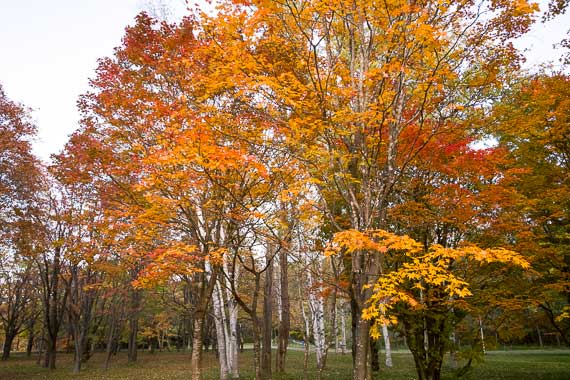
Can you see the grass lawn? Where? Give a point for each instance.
(507, 365)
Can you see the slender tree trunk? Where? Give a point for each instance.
(41, 345)
(110, 340)
(374, 355)
(267, 322)
(285, 321)
(31, 336)
(317, 308)
(306, 335)
(342, 331)
(78, 349)
(133, 326)
(387, 345)
(539, 333)
(232, 338)
(221, 336)
(234, 341)
(30, 344)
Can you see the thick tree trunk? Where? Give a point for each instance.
(51, 351)
(8, 340)
(361, 339)
(196, 359)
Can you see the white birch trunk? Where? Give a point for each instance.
(343, 331)
(387, 345)
(277, 290)
(232, 343)
(219, 321)
(335, 329)
(317, 308)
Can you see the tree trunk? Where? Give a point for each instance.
(31, 336)
(306, 334)
(361, 345)
(284, 322)
(257, 357)
(41, 345)
(267, 322)
(374, 355)
(110, 340)
(387, 345)
(221, 335)
(8, 340)
(234, 339)
(342, 331)
(196, 359)
(133, 326)
(317, 308)
(30, 345)
(51, 351)
(78, 348)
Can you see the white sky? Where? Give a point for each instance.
(49, 50)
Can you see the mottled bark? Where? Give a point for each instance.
(196, 358)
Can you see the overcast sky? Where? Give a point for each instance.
(49, 49)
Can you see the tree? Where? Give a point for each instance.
(427, 292)
(533, 125)
(345, 81)
(186, 166)
(20, 181)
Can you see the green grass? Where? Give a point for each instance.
(504, 365)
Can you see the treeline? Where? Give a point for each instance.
(347, 173)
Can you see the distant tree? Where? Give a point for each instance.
(20, 181)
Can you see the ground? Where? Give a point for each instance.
(504, 365)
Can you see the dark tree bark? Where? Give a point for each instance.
(133, 325)
(54, 300)
(374, 355)
(8, 340)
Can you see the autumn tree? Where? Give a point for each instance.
(532, 123)
(20, 181)
(188, 171)
(426, 292)
(346, 80)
